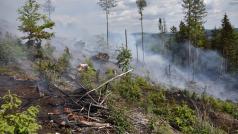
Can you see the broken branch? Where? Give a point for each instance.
(112, 79)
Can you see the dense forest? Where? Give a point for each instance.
(182, 79)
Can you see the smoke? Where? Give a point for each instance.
(165, 64)
(201, 71)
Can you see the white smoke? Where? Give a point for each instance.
(159, 66)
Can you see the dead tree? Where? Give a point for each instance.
(107, 5)
(48, 8)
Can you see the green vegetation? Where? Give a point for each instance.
(13, 121)
(124, 58)
(129, 89)
(222, 106)
(159, 126)
(34, 24)
(204, 127)
(166, 111)
(52, 68)
(88, 77)
(224, 40)
(119, 119)
(183, 117)
(11, 50)
(168, 114)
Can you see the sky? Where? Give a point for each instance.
(83, 17)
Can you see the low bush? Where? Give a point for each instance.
(158, 126)
(204, 127)
(224, 106)
(13, 121)
(183, 118)
(88, 76)
(129, 89)
(143, 83)
(157, 98)
(119, 119)
(52, 68)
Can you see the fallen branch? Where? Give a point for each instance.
(95, 105)
(95, 124)
(112, 79)
(89, 110)
(105, 98)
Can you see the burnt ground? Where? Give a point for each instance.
(54, 107)
(26, 90)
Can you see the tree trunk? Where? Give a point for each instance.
(107, 28)
(126, 39)
(142, 38)
(137, 53)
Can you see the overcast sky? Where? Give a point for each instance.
(82, 17)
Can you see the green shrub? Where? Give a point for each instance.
(52, 68)
(155, 102)
(163, 111)
(11, 50)
(119, 119)
(110, 73)
(89, 62)
(143, 83)
(88, 78)
(129, 89)
(160, 127)
(12, 121)
(228, 107)
(156, 98)
(124, 58)
(203, 127)
(183, 117)
(224, 106)
(64, 61)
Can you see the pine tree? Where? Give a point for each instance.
(107, 5)
(141, 4)
(228, 45)
(124, 58)
(195, 11)
(173, 30)
(182, 34)
(34, 24)
(215, 38)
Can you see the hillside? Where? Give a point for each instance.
(118, 67)
(132, 104)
